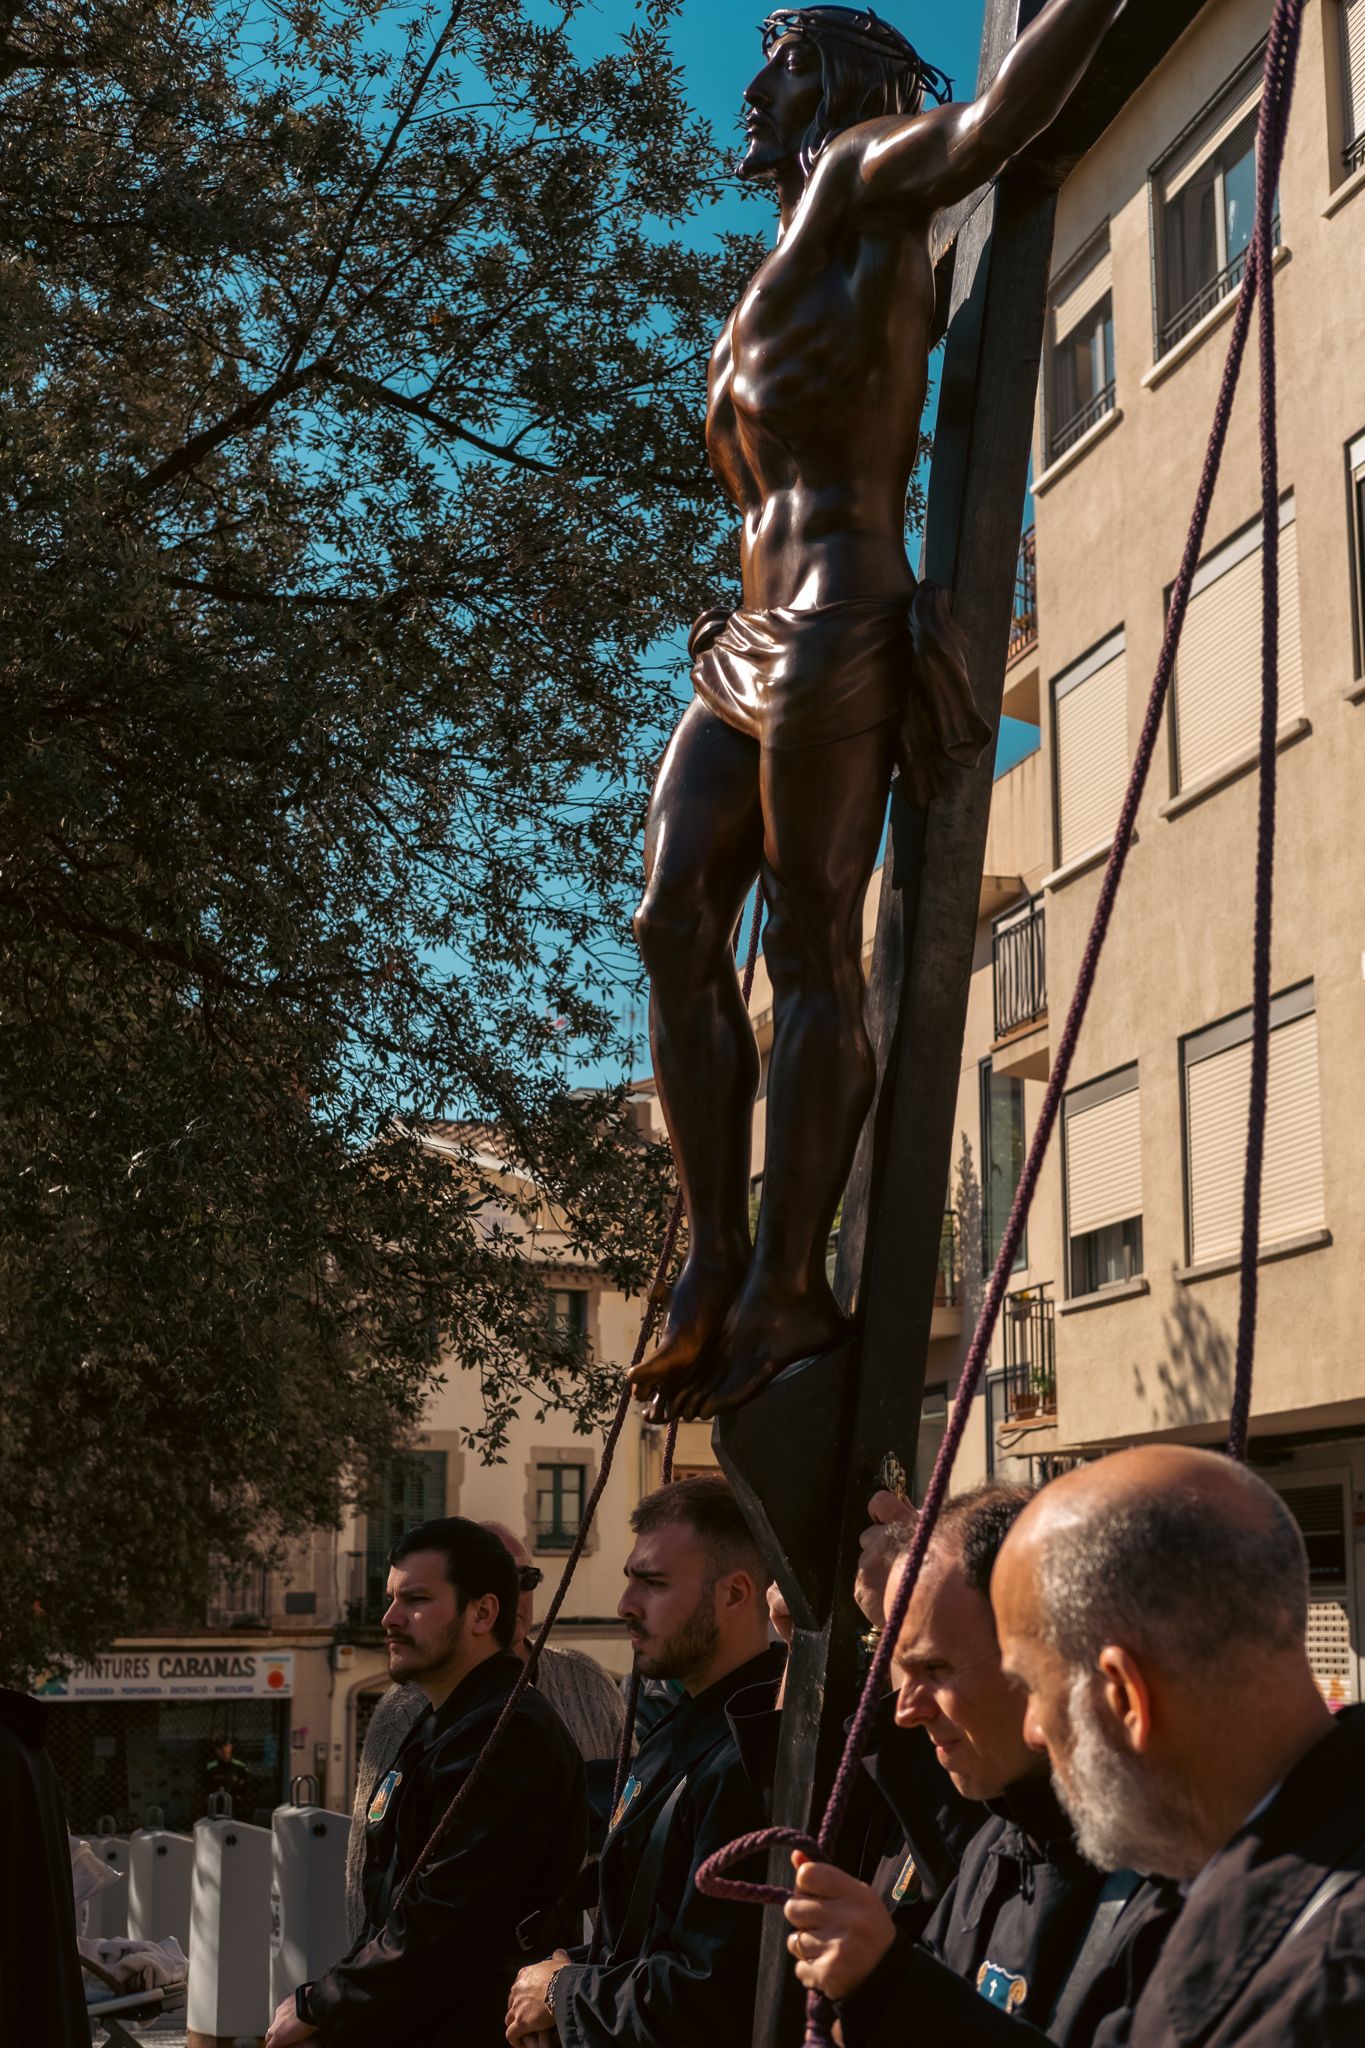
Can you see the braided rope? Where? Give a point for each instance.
(1281, 57)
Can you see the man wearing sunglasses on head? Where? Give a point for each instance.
(585, 1698)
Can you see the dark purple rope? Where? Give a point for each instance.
(609, 1443)
(1279, 77)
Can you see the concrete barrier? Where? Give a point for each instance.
(308, 1891)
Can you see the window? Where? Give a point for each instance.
(1090, 749)
(1217, 1086)
(414, 1490)
(1319, 1502)
(1081, 357)
(1355, 463)
(1002, 1159)
(1102, 1141)
(560, 1494)
(567, 1311)
(933, 1427)
(1353, 82)
(1218, 674)
(1205, 202)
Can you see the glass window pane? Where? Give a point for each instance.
(1239, 188)
(1192, 239)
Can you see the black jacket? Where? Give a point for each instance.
(438, 1968)
(691, 1978)
(1261, 1955)
(999, 1952)
(42, 1994)
(907, 1825)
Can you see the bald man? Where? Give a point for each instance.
(1153, 1606)
(1029, 1943)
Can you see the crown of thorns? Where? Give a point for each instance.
(866, 31)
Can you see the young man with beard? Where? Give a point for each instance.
(434, 1962)
(1030, 1941)
(676, 1969)
(1154, 1606)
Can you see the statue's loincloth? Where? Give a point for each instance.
(806, 678)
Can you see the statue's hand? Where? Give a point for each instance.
(891, 1521)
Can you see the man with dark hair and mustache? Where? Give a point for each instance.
(676, 1968)
(837, 666)
(1153, 1609)
(1029, 1943)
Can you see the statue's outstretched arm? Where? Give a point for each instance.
(932, 160)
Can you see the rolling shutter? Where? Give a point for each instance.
(1221, 130)
(1218, 681)
(1091, 738)
(1217, 1092)
(1082, 294)
(1104, 1162)
(1353, 66)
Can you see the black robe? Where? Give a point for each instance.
(692, 1979)
(1261, 1955)
(438, 1968)
(42, 1992)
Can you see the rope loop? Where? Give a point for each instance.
(711, 1876)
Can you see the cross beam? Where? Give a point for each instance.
(805, 1458)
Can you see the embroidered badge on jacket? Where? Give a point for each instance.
(907, 1882)
(630, 1792)
(1001, 1988)
(379, 1805)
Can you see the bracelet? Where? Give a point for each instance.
(550, 1992)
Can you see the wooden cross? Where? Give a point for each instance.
(805, 1458)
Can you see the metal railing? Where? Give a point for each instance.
(947, 1278)
(1212, 294)
(242, 1602)
(1030, 1354)
(1019, 969)
(1024, 624)
(1080, 423)
(1353, 156)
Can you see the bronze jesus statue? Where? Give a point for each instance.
(837, 669)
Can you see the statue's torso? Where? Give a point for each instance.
(817, 385)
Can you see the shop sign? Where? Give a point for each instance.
(208, 1674)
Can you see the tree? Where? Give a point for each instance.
(353, 363)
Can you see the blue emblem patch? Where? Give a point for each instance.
(384, 1792)
(1001, 1987)
(630, 1792)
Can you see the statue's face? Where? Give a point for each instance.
(779, 106)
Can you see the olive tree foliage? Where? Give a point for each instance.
(353, 364)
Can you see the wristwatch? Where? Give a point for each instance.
(302, 2009)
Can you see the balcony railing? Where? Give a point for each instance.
(1019, 969)
(1213, 293)
(1080, 423)
(1353, 156)
(946, 1280)
(1024, 624)
(1030, 1355)
(239, 1602)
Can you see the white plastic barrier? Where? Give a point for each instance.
(308, 1894)
(230, 1929)
(160, 1875)
(106, 1913)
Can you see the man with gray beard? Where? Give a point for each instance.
(1153, 1606)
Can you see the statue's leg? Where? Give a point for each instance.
(824, 810)
(703, 844)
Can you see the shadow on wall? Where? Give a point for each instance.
(1193, 1382)
(967, 1204)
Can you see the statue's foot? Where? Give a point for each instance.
(701, 1297)
(767, 1330)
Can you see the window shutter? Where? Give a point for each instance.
(1082, 295)
(1213, 138)
(1353, 66)
(1091, 737)
(1358, 447)
(1104, 1164)
(1218, 681)
(1217, 1096)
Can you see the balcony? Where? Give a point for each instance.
(1021, 672)
(1019, 978)
(1217, 289)
(1030, 1357)
(1080, 423)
